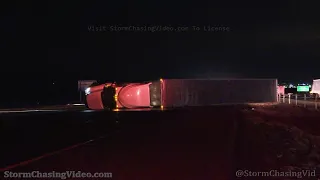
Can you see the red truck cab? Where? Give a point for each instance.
(133, 95)
(129, 95)
(93, 97)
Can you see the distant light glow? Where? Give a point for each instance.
(87, 91)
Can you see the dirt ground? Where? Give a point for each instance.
(280, 137)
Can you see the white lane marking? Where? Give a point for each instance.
(88, 110)
(33, 110)
(76, 104)
(24, 163)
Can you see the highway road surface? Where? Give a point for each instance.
(202, 143)
(130, 144)
(56, 108)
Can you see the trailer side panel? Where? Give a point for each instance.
(198, 92)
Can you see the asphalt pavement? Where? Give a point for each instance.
(194, 143)
(180, 144)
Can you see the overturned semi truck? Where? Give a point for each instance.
(171, 93)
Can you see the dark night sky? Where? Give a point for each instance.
(279, 40)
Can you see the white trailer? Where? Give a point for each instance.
(316, 87)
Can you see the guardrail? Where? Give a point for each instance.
(305, 101)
